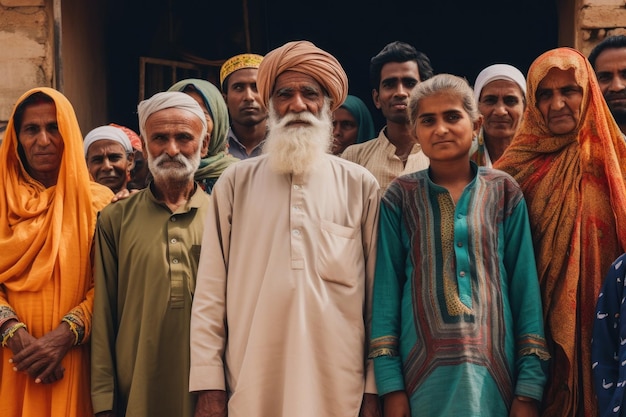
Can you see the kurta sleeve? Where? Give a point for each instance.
(608, 345)
(208, 312)
(525, 301)
(369, 233)
(389, 281)
(103, 377)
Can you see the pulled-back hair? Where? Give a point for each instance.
(399, 52)
(612, 42)
(443, 83)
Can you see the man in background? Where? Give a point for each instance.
(248, 116)
(394, 72)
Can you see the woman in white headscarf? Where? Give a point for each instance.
(500, 91)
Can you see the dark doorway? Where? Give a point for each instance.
(459, 36)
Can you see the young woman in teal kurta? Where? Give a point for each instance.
(457, 323)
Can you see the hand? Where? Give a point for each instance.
(370, 407)
(524, 408)
(396, 404)
(213, 403)
(121, 195)
(41, 358)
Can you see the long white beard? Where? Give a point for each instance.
(296, 149)
(182, 171)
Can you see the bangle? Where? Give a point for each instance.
(73, 329)
(10, 332)
(525, 399)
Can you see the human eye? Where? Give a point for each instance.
(572, 90)
(347, 125)
(30, 129)
(386, 84)
(283, 94)
(454, 117)
(543, 95)
(410, 82)
(488, 100)
(237, 87)
(115, 158)
(603, 77)
(95, 160)
(426, 120)
(511, 101)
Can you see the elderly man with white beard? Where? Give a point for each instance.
(147, 251)
(281, 313)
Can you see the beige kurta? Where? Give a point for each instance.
(284, 290)
(379, 157)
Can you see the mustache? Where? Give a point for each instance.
(165, 158)
(616, 95)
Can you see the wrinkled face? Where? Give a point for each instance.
(611, 73)
(243, 99)
(397, 80)
(109, 164)
(41, 142)
(295, 92)
(209, 122)
(173, 144)
(501, 103)
(559, 99)
(345, 130)
(443, 128)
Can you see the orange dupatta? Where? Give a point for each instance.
(575, 188)
(45, 263)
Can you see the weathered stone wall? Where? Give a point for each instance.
(597, 19)
(26, 41)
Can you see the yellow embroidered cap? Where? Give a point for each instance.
(238, 62)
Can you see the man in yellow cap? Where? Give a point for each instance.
(248, 115)
(282, 304)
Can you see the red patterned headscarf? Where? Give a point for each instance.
(575, 188)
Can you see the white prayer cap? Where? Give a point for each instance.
(109, 133)
(167, 100)
(499, 72)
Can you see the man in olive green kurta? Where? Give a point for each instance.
(147, 252)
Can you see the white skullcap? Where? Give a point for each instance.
(499, 72)
(167, 100)
(108, 133)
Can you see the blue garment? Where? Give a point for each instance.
(236, 148)
(608, 345)
(457, 319)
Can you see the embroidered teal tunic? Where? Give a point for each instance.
(457, 319)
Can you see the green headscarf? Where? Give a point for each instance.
(364, 121)
(217, 160)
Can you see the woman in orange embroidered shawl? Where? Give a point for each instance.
(47, 221)
(574, 185)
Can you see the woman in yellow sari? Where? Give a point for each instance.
(48, 209)
(569, 157)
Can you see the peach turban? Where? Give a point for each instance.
(306, 58)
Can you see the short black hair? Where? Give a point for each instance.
(399, 52)
(612, 42)
(35, 98)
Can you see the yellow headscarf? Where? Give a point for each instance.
(306, 58)
(575, 187)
